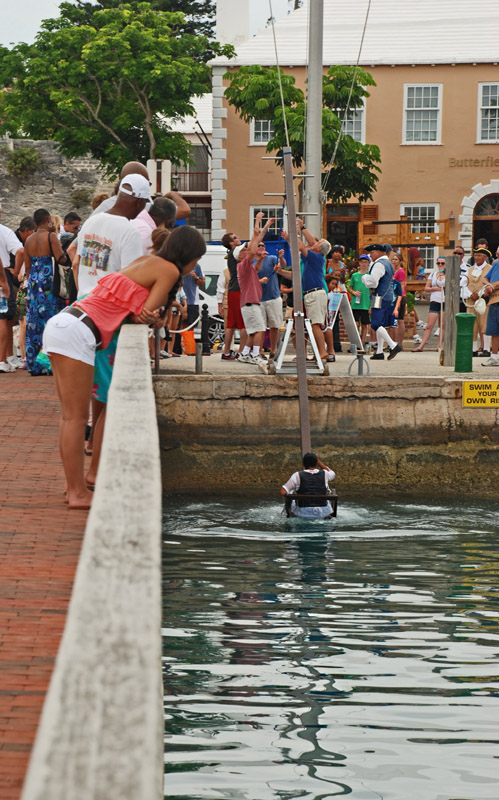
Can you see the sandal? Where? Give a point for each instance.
(331, 357)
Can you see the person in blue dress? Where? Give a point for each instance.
(41, 249)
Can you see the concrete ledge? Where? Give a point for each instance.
(406, 434)
(101, 731)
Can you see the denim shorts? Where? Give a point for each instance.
(493, 320)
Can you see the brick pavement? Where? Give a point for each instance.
(40, 542)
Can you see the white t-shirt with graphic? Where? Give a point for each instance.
(106, 243)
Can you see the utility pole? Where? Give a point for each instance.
(313, 152)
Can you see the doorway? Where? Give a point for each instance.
(486, 221)
(343, 226)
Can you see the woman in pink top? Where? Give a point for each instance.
(72, 337)
(400, 276)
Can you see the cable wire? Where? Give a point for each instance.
(279, 75)
(325, 177)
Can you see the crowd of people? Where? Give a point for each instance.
(255, 295)
(66, 285)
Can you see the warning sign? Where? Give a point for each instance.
(481, 393)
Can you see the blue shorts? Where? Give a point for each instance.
(493, 320)
(435, 308)
(381, 317)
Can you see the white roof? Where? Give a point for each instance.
(398, 32)
(202, 112)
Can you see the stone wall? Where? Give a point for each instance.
(50, 186)
(408, 436)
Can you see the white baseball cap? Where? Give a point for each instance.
(237, 250)
(136, 186)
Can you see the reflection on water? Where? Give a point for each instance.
(313, 660)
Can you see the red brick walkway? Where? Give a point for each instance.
(39, 546)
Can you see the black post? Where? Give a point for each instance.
(205, 330)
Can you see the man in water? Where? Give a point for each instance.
(313, 479)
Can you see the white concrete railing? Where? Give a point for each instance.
(101, 731)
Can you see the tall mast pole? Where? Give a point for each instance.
(313, 152)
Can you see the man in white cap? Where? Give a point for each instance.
(108, 242)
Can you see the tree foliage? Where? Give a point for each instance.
(254, 92)
(199, 15)
(107, 82)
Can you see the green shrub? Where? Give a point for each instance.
(22, 162)
(81, 197)
(410, 301)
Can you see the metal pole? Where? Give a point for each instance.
(299, 317)
(452, 281)
(313, 153)
(156, 351)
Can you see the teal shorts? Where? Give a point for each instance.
(103, 369)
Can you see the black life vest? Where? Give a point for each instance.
(312, 483)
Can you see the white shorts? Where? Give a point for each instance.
(272, 312)
(316, 306)
(69, 336)
(253, 318)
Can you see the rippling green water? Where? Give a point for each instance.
(313, 660)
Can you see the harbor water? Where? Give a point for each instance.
(355, 657)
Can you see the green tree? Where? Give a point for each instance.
(199, 15)
(254, 93)
(106, 83)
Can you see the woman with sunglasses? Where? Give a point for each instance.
(435, 285)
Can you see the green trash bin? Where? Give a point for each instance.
(464, 343)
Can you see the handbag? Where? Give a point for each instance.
(60, 280)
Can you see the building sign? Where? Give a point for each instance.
(474, 162)
(481, 393)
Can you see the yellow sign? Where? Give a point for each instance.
(481, 393)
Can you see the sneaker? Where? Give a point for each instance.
(248, 359)
(15, 362)
(378, 357)
(6, 367)
(420, 324)
(484, 354)
(491, 362)
(231, 356)
(417, 339)
(394, 351)
(257, 360)
(437, 332)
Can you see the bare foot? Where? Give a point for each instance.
(80, 500)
